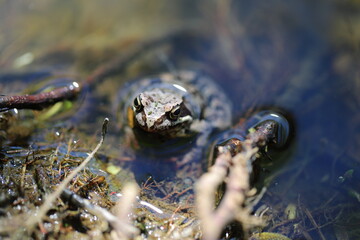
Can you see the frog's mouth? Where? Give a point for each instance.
(164, 125)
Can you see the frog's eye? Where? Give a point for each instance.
(175, 113)
(137, 103)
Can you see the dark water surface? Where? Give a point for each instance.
(300, 57)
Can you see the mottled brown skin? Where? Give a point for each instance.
(203, 106)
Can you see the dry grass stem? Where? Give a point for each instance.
(232, 204)
(30, 222)
(123, 209)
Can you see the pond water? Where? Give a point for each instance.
(300, 58)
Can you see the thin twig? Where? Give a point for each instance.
(40, 100)
(313, 222)
(120, 222)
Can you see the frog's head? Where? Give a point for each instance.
(162, 111)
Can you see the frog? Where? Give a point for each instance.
(167, 106)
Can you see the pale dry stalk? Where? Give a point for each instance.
(231, 208)
(123, 210)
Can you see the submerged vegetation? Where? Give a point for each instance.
(58, 84)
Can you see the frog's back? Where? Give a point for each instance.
(216, 106)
